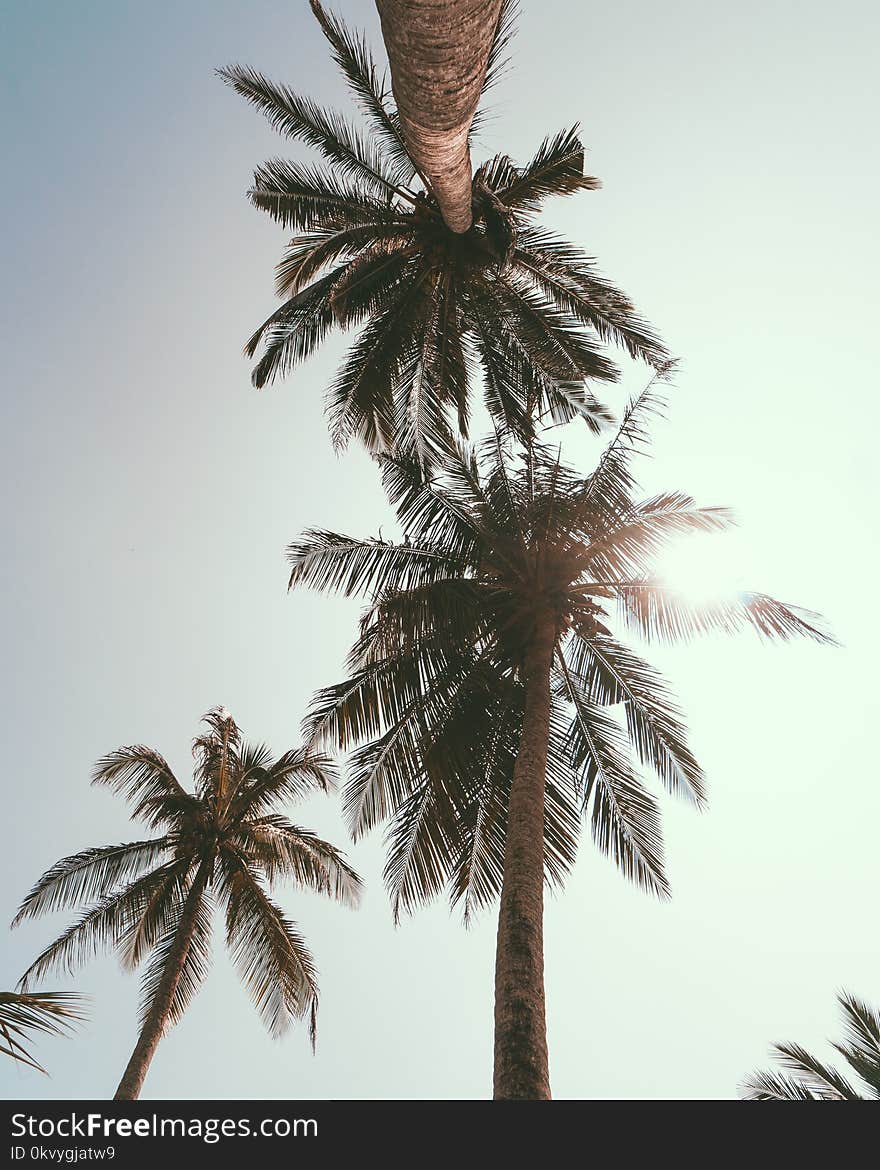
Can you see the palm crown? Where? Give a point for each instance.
(810, 1079)
(223, 842)
(508, 302)
(435, 699)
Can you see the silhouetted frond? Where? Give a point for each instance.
(659, 612)
(270, 955)
(814, 1080)
(22, 1016)
(90, 874)
(303, 119)
(354, 59)
(194, 963)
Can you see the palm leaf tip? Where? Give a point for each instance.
(24, 1014)
(806, 1078)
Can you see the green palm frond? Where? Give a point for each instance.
(26, 1015)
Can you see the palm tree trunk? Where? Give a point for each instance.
(157, 1018)
(438, 51)
(521, 1067)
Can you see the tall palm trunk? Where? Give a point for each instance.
(438, 51)
(157, 1018)
(521, 1067)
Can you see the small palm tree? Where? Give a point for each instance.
(507, 303)
(812, 1079)
(492, 706)
(22, 1015)
(223, 844)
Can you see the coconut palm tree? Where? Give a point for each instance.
(812, 1079)
(438, 67)
(22, 1015)
(491, 704)
(507, 303)
(224, 844)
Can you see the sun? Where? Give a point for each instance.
(701, 570)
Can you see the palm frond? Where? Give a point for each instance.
(89, 874)
(158, 914)
(609, 489)
(361, 402)
(556, 169)
(610, 673)
(295, 775)
(354, 59)
(284, 850)
(498, 60)
(301, 118)
(861, 1047)
(303, 196)
(338, 564)
(22, 1015)
(820, 1078)
(631, 548)
(142, 776)
(100, 927)
(770, 1086)
(294, 330)
(624, 817)
(194, 965)
(567, 276)
(270, 955)
(659, 612)
(308, 254)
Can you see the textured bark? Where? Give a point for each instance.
(438, 50)
(154, 1025)
(521, 1066)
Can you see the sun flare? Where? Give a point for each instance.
(702, 571)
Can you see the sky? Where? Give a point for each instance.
(150, 493)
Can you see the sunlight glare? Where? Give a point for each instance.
(702, 570)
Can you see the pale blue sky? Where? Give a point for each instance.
(150, 493)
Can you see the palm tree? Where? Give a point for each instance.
(492, 705)
(22, 1015)
(438, 66)
(507, 303)
(156, 897)
(812, 1080)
